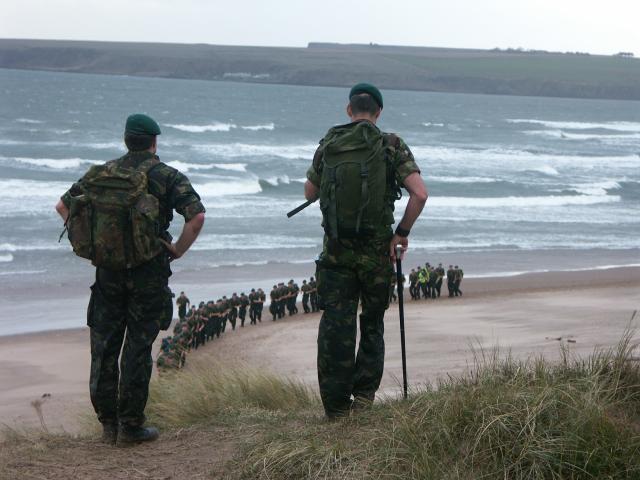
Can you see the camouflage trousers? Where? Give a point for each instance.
(349, 272)
(129, 307)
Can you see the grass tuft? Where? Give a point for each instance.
(203, 393)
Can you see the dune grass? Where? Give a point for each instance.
(578, 418)
(505, 419)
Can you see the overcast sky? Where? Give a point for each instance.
(564, 25)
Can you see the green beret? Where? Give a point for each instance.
(141, 124)
(369, 89)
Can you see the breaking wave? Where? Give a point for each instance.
(52, 163)
(186, 167)
(220, 127)
(214, 127)
(569, 125)
(235, 150)
(255, 128)
(29, 121)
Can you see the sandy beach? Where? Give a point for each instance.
(530, 314)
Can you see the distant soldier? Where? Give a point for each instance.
(260, 305)
(313, 295)
(282, 298)
(440, 274)
(433, 281)
(273, 306)
(242, 311)
(225, 312)
(451, 280)
(458, 274)
(131, 248)
(206, 312)
(413, 281)
(182, 302)
(423, 278)
(292, 297)
(305, 296)
(234, 303)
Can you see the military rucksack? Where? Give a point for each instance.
(357, 186)
(114, 222)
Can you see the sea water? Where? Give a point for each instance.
(515, 184)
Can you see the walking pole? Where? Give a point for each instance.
(400, 283)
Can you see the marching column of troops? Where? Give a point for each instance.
(198, 325)
(426, 282)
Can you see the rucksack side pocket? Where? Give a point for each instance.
(145, 229)
(80, 226)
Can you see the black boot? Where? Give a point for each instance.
(131, 435)
(109, 433)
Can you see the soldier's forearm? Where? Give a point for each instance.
(190, 232)
(417, 199)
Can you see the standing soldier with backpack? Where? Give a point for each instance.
(118, 215)
(357, 172)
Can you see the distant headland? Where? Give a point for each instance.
(497, 71)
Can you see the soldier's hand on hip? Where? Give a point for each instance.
(172, 250)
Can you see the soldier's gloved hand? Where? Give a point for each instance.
(398, 240)
(172, 250)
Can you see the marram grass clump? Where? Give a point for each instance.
(505, 419)
(204, 393)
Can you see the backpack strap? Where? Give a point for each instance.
(332, 215)
(392, 140)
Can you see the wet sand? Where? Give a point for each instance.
(525, 314)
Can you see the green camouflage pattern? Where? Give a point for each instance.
(172, 189)
(400, 160)
(131, 307)
(356, 197)
(114, 222)
(349, 272)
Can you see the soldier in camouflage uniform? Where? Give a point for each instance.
(182, 303)
(262, 297)
(353, 270)
(313, 294)
(305, 296)
(242, 311)
(253, 306)
(131, 306)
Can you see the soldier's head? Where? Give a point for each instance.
(242, 294)
(311, 279)
(450, 266)
(253, 289)
(456, 266)
(234, 294)
(140, 133)
(304, 282)
(365, 103)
